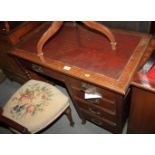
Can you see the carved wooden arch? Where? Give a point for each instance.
(55, 26)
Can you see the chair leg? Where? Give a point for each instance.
(68, 113)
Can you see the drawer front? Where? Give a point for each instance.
(94, 110)
(43, 70)
(100, 122)
(86, 87)
(100, 102)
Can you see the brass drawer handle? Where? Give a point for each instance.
(96, 100)
(96, 122)
(85, 85)
(37, 68)
(88, 88)
(95, 112)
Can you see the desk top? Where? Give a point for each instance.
(88, 54)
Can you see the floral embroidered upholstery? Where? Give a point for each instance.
(35, 105)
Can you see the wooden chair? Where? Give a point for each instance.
(34, 106)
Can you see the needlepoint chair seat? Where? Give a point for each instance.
(35, 105)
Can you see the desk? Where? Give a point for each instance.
(84, 60)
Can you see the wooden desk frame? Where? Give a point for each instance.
(115, 91)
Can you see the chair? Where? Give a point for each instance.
(34, 106)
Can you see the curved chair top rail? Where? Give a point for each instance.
(55, 26)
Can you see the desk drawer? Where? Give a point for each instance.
(105, 123)
(84, 86)
(43, 70)
(96, 111)
(100, 102)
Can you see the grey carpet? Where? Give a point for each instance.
(61, 126)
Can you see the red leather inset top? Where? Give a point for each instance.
(84, 48)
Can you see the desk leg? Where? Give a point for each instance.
(83, 121)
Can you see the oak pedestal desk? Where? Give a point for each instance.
(85, 62)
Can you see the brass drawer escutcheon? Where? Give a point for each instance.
(37, 68)
(88, 88)
(96, 122)
(96, 101)
(94, 111)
